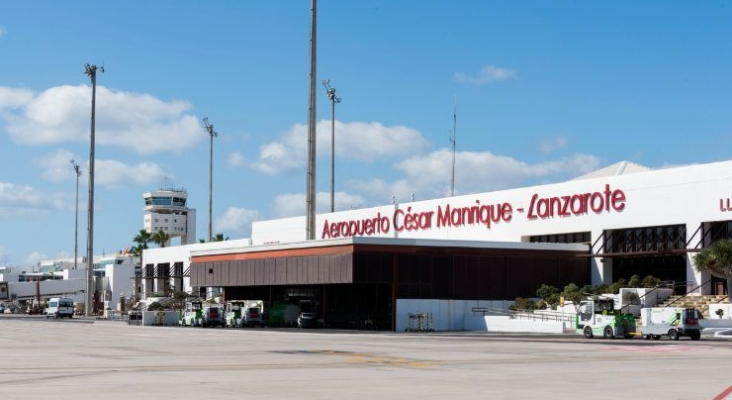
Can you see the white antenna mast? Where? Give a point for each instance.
(452, 140)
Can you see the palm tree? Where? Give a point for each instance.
(141, 240)
(160, 238)
(717, 260)
(219, 238)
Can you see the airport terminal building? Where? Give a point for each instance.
(367, 265)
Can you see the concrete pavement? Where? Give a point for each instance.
(48, 359)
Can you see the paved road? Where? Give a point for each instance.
(71, 360)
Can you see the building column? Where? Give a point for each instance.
(693, 278)
(601, 267)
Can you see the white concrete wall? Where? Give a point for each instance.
(51, 288)
(160, 318)
(726, 308)
(507, 324)
(447, 315)
(120, 283)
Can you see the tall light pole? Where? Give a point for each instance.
(212, 134)
(310, 220)
(453, 138)
(77, 170)
(331, 93)
(91, 72)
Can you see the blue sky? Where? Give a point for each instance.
(543, 92)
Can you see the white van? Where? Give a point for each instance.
(59, 307)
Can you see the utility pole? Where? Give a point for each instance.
(77, 170)
(212, 134)
(310, 220)
(452, 140)
(91, 72)
(331, 93)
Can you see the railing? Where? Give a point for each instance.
(661, 285)
(689, 292)
(534, 315)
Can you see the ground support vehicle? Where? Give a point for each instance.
(192, 313)
(307, 320)
(213, 315)
(60, 307)
(233, 312)
(252, 314)
(598, 316)
(282, 314)
(673, 322)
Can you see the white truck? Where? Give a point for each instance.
(673, 322)
(192, 314)
(599, 317)
(233, 312)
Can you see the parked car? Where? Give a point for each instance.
(307, 320)
(213, 316)
(252, 317)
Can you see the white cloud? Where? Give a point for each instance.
(486, 75)
(63, 254)
(11, 99)
(57, 167)
(139, 122)
(5, 257)
(293, 204)
(356, 140)
(553, 144)
(429, 176)
(2, 31)
(34, 258)
(236, 159)
(289, 205)
(114, 174)
(237, 220)
(17, 200)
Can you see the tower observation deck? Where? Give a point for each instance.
(166, 210)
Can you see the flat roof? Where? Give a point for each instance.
(360, 240)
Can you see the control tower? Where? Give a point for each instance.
(166, 211)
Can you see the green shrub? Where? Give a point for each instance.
(548, 294)
(635, 282)
(650, 281)
(522, 304)
(630, 298)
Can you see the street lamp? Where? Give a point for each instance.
(77, 170)
(331, 93)
(213, 134)
(91, 72)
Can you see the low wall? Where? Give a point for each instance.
(447, 315)
(726, 311)
(160, 318)
(508, 324)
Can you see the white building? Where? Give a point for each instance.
(113, 279)
(169, 268)
(372, 267)
(166, 211)
(636, 220)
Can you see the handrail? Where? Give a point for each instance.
(689, 292)
(528, 314)
(661, 285)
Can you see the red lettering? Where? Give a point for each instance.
(577, 204)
